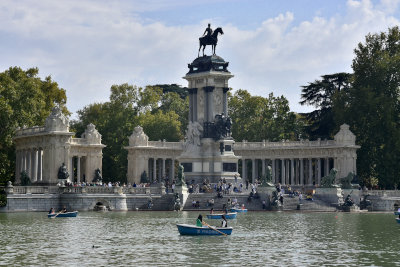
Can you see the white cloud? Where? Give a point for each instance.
(89, 45)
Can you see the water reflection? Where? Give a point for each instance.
(151, 238)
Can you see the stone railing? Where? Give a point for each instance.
(78, 141)
(30, 131)
(33, 190)
(112, 190)
(302, 143)
(173, 145)
(382, 193)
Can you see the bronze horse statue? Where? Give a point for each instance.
(210, 40)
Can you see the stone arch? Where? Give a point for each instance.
(100, 201)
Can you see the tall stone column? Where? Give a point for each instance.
(172, 169)
(301, 171)
(35, 165)
(225, 100)
(253, 174)
(319, 171)
(194, 104)
(293, 182)
(154, 169)
(244, 171)
(28, 163)
(310, 172)
(326, 172)
(283, 172)
(273, 171)
(210, 107)
(190, 105)
(71, 169)
(78, 170)
(163, 168)
(263, 167)
(159, 168)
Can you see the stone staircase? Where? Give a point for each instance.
(165, 202)
(291, 203)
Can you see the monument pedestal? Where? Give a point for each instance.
(331, 195)
(209, 148)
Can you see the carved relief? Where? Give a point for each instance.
(138, 137)
(57, 121)
(92, 135)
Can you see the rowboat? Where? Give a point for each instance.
(397, 213)
(398, 220)
(65, 214)
(231, 215)
(187, 229)
(238, 210)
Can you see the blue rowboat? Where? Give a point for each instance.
(397, 213)
(186, 229)
(238, 210)
(228, 216)
(65, 214)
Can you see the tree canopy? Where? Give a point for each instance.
(25, 100)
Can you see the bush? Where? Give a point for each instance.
(3, 198)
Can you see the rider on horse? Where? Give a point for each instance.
(208, 31)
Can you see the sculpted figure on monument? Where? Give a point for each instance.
(329, 180)
(62, 172)
(346, 181)
(267, 178)
(97, 176)
(193, 134)
(210, 38)
(138, 137)
(181, 176)
(222, 126)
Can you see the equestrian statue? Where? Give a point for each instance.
(210, 37)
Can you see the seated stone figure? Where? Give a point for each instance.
(329, 180)
(62, 172)
(346, 181)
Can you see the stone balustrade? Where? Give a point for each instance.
(174, 145)
(287, 144)
(21, 190)
(30, 131)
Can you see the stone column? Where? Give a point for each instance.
(163, 168)
(293, 181)
(273, 171)
(253, 174)
(154, 168)
(244, 174)
(35, 165)
(263, 161)
(28, 163)
(159, 168)
(225, 100)
(78, 170)
(172, 169)
(310, 172)
(190, 105)
(283, 172)
(194, 104)
(301, 171)
(319, 172)
(71, 169)
(326, 172)
(209, 96)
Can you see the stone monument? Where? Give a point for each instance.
(208, 151)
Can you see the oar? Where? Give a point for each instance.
(56, 215)
(209, 226)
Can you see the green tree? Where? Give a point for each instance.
(256, 118)
(160, 125)
(372, 107)
(322, 94)
(25, 100)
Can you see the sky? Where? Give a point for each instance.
(272, 46)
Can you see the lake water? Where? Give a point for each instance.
(152, 239)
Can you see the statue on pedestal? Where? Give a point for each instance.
(329, 180)
(181, 176)
(266, 180)
(346, 181)
(210, 38)
(62, 172)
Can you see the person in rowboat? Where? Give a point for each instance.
(199, 221)
(51, 211)
(224, 223)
